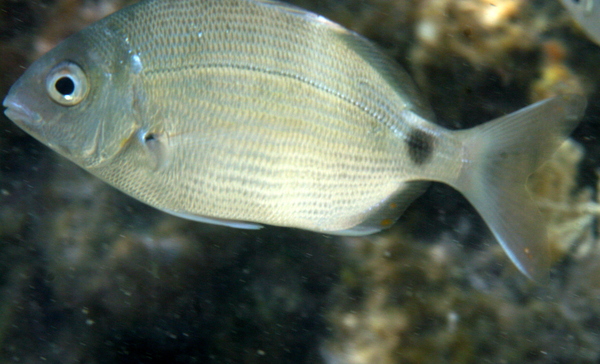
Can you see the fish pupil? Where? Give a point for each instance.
(65, 86)
(149, 137)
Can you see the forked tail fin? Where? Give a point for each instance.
(498, 158)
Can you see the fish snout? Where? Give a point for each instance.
(19, 113)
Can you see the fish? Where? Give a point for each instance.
(587, 14)
(247, 113)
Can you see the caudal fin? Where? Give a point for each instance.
(498, 158)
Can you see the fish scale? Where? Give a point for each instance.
(307, 54)
(249, 112)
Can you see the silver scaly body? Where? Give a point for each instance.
(248, 112)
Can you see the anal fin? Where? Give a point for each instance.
(385, 214)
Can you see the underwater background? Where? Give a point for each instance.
(89, 275)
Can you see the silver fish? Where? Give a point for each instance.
(587, 14)
(249, 112)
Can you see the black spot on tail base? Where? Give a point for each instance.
(420, 146)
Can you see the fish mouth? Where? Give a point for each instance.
(19, 113)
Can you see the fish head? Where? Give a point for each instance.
(76, 98)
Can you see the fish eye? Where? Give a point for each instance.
(67, 84)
